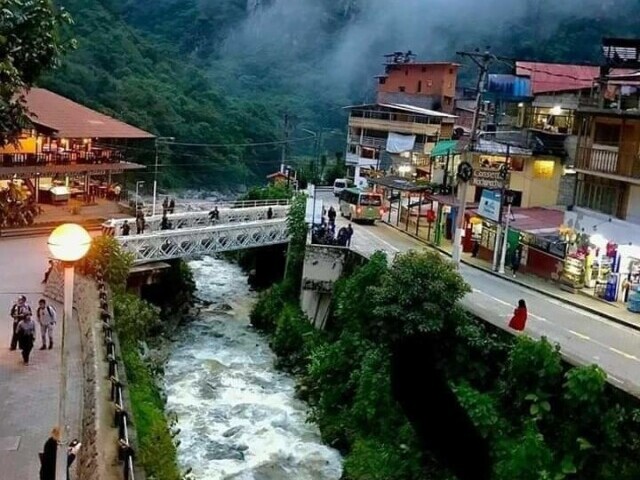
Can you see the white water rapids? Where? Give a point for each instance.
(238, 416)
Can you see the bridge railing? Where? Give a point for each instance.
(189, 243)
(199, 219)
(207, 205)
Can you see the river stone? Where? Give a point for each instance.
(214, 366)
(219, 451)
(232, 431)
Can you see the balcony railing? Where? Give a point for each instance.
(610, 159)
(381, 143)
(60, 158)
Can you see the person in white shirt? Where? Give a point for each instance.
(47, 319)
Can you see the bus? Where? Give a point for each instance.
(361, 206)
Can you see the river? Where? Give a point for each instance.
(238, 416)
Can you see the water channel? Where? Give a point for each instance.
(238, 416)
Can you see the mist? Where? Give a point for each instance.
(335, 47)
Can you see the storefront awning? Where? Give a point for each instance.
(444, 147)
(534, 220)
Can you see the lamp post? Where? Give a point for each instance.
(68, 243)
(508, 198)
(155, 171)
(138, 183)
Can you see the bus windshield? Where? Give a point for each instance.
(370, 200)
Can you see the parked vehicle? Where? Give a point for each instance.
(339, 185)
(360, 206)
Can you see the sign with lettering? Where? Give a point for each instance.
(487, 178)
(490, 205)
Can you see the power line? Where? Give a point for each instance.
(252, 144)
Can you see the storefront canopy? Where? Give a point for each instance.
(444, 147)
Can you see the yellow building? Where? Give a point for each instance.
(534, 179)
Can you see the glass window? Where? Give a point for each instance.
(370, 200)
(607, 134)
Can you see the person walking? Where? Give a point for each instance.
(19, 311)
(165, 205)
(46, 316)
(172, 206)
(515, 260)
(126, 228)
(48, 456)
(26, 332)
(332, 216)
(48, 272)
(519, 319)
(141, 223)
(270, 213)
(214, 215)
(349, 234)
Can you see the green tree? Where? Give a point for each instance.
(29, 46)
(107, 256)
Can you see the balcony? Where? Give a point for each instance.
(388, 125)
(381, 143)
(619, 160)
(72, 157)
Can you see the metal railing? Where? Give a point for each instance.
(199, 219)
(205, 205)
(598, 158)
(121, 417)
(60, 158)
(195, 242)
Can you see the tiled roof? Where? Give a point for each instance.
(72, 120)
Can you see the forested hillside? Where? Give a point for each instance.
(226, 71)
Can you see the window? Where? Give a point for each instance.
(370, 200)
(382, 80)
(599, 194)
(401, 89)
(516, 164)
(424, 69)
(607, 134)
(451, 71)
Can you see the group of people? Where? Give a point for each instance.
(141, 224)
(168, 206)
(49, 455)
(24, 327)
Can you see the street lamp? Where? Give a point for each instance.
(138, 183)
(508, 198)
(155, 171)
(68, 243)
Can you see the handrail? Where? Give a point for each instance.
(197, 206)
(125, 451)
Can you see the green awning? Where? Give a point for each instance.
(444, 147)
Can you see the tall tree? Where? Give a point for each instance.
(29, 45)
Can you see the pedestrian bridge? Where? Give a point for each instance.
(192, 234)
(227, 213)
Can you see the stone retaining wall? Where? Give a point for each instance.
(98, 455)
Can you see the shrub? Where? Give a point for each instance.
(106, 255)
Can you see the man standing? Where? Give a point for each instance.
(126, 228)
(140, 223)
(165, 205)
(172, 206)
(46, 315)
(19, 312)
(349, 234)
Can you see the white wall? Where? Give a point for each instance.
(612, 229)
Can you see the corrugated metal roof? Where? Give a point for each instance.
(444, 147)
(556, 77)
(72, 120)
(405, 108)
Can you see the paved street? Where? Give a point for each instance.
(583, 336)
(29, 394)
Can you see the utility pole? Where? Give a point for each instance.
(283, 157)
(504, 176)
(482, 60)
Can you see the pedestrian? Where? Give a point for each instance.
(343, 236)
(165, 224)
(48, 456)
(19, 312)
(46, 316)
(349, 234)
(270, 213)
(332, 215)
(519, 319)
(475, 249)
(26, 332)
(165, 205)
(214, 215)
(48, 272)
(140, 223)
(72, 453)
(172, 206)
(515, 260)
(126, 228)
(117, 192)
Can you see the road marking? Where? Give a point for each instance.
(475, 290)
(577, 334)
(624, 354)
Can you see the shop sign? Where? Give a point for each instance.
(490, 205)
(487, 178)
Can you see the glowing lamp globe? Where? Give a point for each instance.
(69, 242)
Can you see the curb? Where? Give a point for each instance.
(543, 291)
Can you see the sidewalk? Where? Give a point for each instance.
(614, 312)
(29, 394)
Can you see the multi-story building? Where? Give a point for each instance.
(67, 145)
(412, 114)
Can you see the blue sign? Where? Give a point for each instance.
(509, 88)
(490, 204)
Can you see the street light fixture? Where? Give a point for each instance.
(138, 183)
(155, 170)
(68, 243)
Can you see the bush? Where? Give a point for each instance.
(266, 310)
(106, 255)
(294, 338)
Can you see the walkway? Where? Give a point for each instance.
(29, 394)
(585, 337)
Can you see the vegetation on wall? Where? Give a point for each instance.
(138, 321)
(541, 418)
